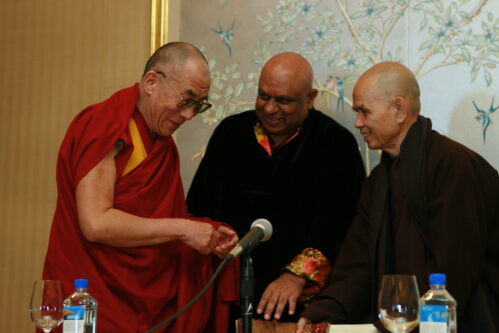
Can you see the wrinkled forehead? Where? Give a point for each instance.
(373, 86)
(362, 87)
(194, 68)
(193, 78)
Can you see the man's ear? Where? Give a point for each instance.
(311, 98)
(150, 82)
(402, 107)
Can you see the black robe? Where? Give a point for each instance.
(450, 213)
(308, 189)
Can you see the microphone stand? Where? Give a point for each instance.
(247, 292)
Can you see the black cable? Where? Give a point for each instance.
(192, 301)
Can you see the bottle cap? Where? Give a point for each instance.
(81, 283)
(437, 278)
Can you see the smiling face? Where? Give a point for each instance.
(285, 95)
(386, 99)
(161, 106)
(376, 117)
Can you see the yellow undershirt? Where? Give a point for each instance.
(139, 152)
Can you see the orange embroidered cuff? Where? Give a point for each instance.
(312, 265)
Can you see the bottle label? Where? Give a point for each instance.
(434, 319)
(74, 319)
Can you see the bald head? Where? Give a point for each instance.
(292, 66)
(174, 55)
(386, 99)
(391, 80)
(285, 95)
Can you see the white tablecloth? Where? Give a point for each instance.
(366, 328)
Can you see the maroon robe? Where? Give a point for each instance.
(136, 287)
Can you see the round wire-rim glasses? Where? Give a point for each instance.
(187, 103)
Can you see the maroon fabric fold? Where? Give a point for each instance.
(136, 287)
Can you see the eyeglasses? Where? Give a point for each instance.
(185, 103)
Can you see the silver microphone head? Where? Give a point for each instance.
(266, 226)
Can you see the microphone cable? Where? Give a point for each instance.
(192, 301)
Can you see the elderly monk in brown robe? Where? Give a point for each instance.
(431, 205)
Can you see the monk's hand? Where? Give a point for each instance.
(200, 236)
(228, 239)
(300, 326)
(285, 290)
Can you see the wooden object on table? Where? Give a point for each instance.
(265, 326)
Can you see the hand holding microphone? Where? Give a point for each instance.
(261, 231)
(228, 239)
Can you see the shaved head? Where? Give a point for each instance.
(391, 80)
(290, 65)
(174, 55)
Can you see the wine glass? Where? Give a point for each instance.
(45, 308)
(398, 303)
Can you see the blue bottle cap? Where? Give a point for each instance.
(81, 283)
(437, 278)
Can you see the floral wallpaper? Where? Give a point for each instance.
(452, 46)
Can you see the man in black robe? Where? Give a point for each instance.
(430, 206)
(289, 163)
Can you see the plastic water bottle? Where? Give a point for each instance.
(437, 308)
(80, 310)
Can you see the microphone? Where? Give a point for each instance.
(260, 231)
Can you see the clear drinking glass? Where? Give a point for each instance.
(45, 307)
(398, 303)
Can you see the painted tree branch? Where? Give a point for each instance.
(455, 62)
(322, 88)
(389, 30)
(335, 93)
(241, 103)
(443, 64)
(199, 154)
(425, 58)
(477, 9)
(487, 59)
(463, 23)
(367, 158)
(353, 31)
